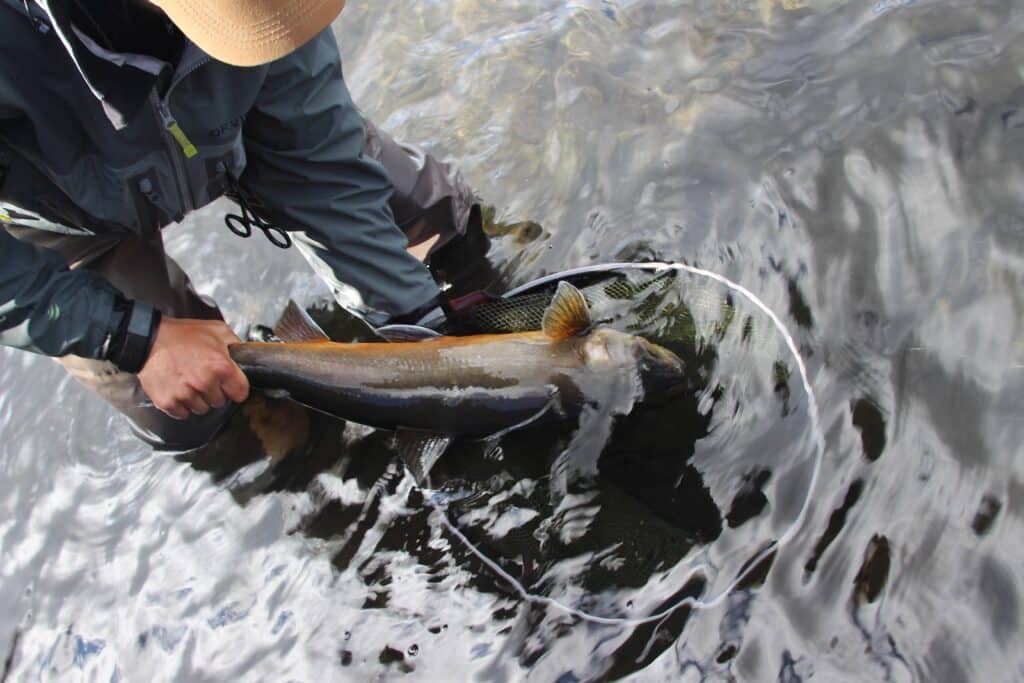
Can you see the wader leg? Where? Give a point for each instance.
(141, 269)
(432, 199)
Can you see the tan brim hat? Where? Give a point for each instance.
(250, 32)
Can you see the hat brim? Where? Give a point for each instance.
(250, 32)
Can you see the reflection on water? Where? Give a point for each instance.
(857, 165)
(607, 518)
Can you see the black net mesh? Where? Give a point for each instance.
(525, 311)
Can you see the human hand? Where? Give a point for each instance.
(189, 370)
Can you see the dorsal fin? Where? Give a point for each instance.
(567, 314)
(295, 325)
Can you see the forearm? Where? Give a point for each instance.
(47, 308)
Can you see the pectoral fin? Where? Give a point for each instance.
(419, 452)
(295, 325)
(567, 314)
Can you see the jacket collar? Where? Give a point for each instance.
(122, 82)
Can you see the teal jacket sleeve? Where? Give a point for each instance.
(49, 309)
(305, 164)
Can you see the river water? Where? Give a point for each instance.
(858, 166)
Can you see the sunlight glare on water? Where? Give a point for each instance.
(856, 165)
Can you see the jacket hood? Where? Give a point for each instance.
(120, 81)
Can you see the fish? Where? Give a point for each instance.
(443, 387)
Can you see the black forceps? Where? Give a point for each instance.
(242, 225)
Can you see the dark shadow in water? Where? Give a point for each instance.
(750, 501)
(874, 572)
(868, 420)
(648, 641)
(986, 515)
(9, 660)
(836, 522)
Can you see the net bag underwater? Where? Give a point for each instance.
(693, 499)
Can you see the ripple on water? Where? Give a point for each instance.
(858, 165)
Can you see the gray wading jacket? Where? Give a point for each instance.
(97, 142)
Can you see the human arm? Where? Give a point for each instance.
(46, 308)
(305, 163)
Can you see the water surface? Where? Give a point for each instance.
(857, 165)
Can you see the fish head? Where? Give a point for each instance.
(661, 371)
(658, 368)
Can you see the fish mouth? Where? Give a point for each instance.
(661, 371)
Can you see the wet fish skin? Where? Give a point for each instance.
(446, 386)
(472, 386)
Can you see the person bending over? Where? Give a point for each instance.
(118, 118)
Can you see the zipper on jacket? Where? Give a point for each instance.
(181, 146)
(175, 130)
(187, 148)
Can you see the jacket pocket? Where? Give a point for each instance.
(207, 177)
(30, 198)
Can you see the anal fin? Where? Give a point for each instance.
(420, 451)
